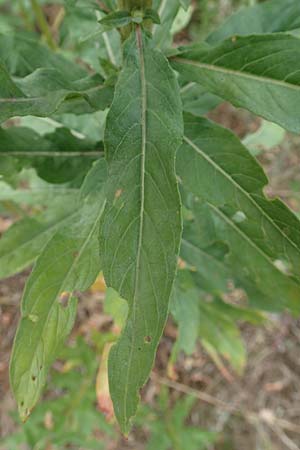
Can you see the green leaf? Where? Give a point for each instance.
(263, 235)
(46, 91)
(24, 241)
(268, 17)
(116, 19)
(167, 12)
(169, 428)
(185, 310)
(196, 100)
(85, 36)
(259, 73)
(151, 14)
(22, 54)
(58, 157)
(213, 322)
(141, 228)
(221, 333)
(7, 86)
(206, 255)
(185, 3)
(69, 262)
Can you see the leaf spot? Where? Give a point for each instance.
(64, 298)
(283, 266)
(118, 193)
(239, 217)
(33, 317)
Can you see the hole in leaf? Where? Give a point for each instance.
(148, 339)
(33, 317)
(64, 299)
(118, 193)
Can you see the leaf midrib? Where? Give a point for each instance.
(245, 75)
(139, 41)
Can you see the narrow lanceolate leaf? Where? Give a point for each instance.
(46, 91)
(263, 235)
(259, 73)
(141, 228)
(68, 263)
(272, 16)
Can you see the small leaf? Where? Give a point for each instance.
(152, 15)
(116, 19)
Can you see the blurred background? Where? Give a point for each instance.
(248, 398)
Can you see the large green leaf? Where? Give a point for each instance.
(69, 262)
(141, 228)
(47, 91)
(259, 73)
(263, 236)
(272, 16)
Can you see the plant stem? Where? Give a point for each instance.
(24, 14)
(43, 24)
(134, 4)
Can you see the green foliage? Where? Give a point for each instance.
(70, 417)
(115, 206)
(167, 424)
(143, 130)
